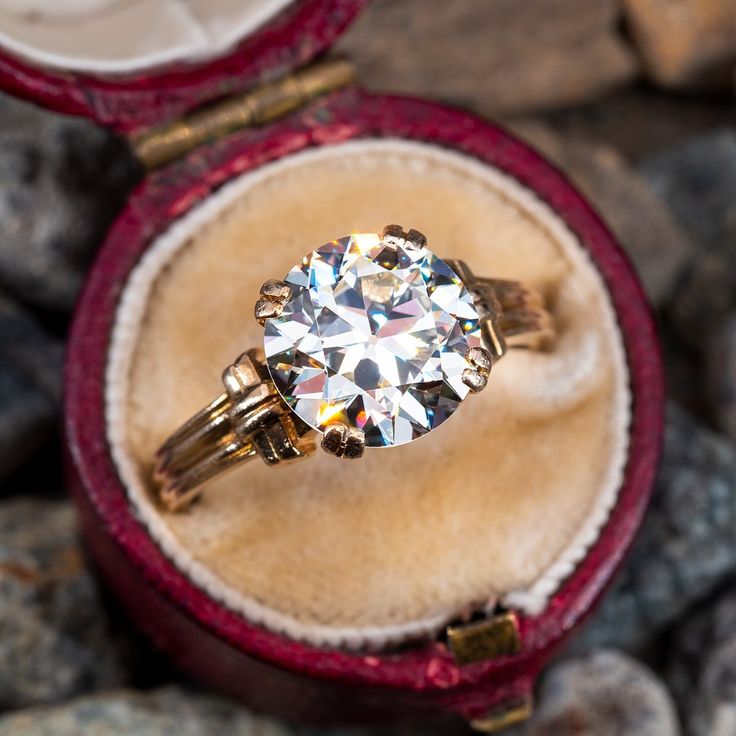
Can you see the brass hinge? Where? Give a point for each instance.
(161, 145)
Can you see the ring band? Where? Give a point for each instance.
(356, 304)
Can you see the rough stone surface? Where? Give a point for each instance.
(30, 386)
(604, 694)
(632, 209)
(685, 42)
(54, 641)
(63, 180)
(174, 711)
(163, 712)
(698, 182)
(497, 57)
(685, 548)
(721, 375)
(641, 121)
(702, 672)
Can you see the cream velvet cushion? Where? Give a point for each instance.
(499, 503)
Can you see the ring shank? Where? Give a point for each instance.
(248, 419)
(513, 313)
(251, 418)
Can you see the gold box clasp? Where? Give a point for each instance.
(491, 638)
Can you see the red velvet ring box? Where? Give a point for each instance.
(435, 577)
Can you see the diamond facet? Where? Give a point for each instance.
(374, 335)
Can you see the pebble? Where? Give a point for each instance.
(632, 209)
(702, 672)
(720, 370)
(697, 180)
(685, 43)
(685, 549)
(605, 693)
(499, 58)
(54, 635)
(63, 182)
(162, 712)
(30, 386)
(175, 711)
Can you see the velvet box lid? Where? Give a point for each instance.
(125, 93)
(211, 634)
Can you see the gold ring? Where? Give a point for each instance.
(371, 340)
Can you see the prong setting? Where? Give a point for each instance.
(274, 295)
(417, 239)
(343, 441)
(279, 291)
(475, 377)
(395, 236)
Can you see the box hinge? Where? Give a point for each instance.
(494, 636)
(158, 146)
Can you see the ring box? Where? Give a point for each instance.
(438, 577)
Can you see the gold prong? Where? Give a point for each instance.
(333, 438)
(416, 238)
(394, 235)
(343, 441)
(274, 295)
(474, 380)
(266, 309)
(278, 291)
(480, 358)
(354, 444)
(475, 377)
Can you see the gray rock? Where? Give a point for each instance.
(54, 640)
(721, 375)
(639, 121)
(635, 213)
(685, 548)
(30, 386)
(603, 694)
(173, 711)
(698, 182)
(163, 712)
(500, 57)
(63, 180)
(702, 672)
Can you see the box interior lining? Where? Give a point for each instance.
(126, 36)
(498, 504)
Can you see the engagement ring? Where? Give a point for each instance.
(370, 341)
